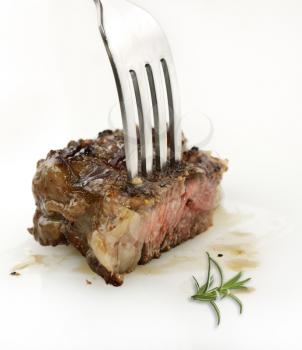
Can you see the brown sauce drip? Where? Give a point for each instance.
(242, 264)
(35, 259)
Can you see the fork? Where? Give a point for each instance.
(145, 78)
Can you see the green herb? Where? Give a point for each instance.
(210, 294)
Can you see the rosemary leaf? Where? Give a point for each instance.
(203, 292)
(208, 276)
(196, 283)
(237, 300)
(219, 270)
(232, 280)
(215, 307)
(204, 297)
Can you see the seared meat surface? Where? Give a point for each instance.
(84, 198)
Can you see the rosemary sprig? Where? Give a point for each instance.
(208, 294)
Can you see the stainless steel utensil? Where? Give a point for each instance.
(145, 77)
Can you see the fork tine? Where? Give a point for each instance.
(159, 114)
(139, 80)
(129, 125)
(147, 118)
(174, 110)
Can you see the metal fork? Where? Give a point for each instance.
(145, 77)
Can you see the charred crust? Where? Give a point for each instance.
(117, 159)
(64, 160)
(106, 154)
(145, 189)
(88, 151)
(105, 133)
(209, 165)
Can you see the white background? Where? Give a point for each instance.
(239, 64)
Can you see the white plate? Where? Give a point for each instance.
(245, 75)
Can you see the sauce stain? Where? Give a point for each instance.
(38, 260)
(239, 250)
(241, 264)
(15, 273)
(35, 259)
(233, 249)
(241, 234)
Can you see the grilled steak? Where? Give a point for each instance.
(84, 198)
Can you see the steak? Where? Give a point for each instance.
(84, 198)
